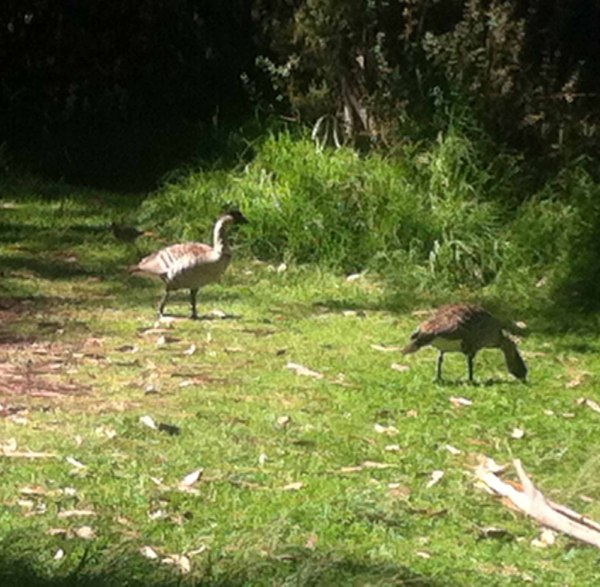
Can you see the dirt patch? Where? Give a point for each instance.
(38, 370)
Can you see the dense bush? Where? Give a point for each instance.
(434, 218)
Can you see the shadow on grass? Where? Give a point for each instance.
(304, 568)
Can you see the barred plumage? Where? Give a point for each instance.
(191, 265)
(466, 328)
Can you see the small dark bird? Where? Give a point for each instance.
(192, 265)
(127, 234)
(466, 328)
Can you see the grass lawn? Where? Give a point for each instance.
(307, 478)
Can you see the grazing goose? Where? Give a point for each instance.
(127, 234)
(192, 265)
(466, 328)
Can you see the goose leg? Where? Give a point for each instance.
(470, 367)
(163, 302)
(440, 361)
(193, 294)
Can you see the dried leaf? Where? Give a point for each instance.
(400, 368)
(435, 478)
(190, 350)
(459, 402)
(9, 445)
(293, 486)
(191, 478)
(517, 433)
(392, 448)
(181, 561)
(304, 371)
(148, 552)
(202, 548)
(59, 554)
(590, 403)
(386, 349)
(547, 538)
(375, 465)
(493, 532)
(387, 430)
(85, 532)
(423, 554)
(75, 463)
(148, 421)
(75, 513)
(452, 450)
(283, 421)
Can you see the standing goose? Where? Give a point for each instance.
(466, 328)
(192, 265)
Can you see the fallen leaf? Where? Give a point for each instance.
(423, 554)
(304, 371)
(128, 348)
(590, 403)
(148, 421)
(435, 478)
(202, 548)
(85, 532)
(517, 433)
(311, 541)
(75, 463)
(148, 552)
(181, 561)
(375, 465)
(547, 538)
(283, 421)
(459, 402)
(190, 350)
(191, 478)
(398, 490)
(412, 413)
(354, 276)
(75, 513)
(493, 532)
(293, 486)
(400, 368)
(385, 349)
(281, 268)
(9, 445)
(452, 450)
(59, 554)
(157, 515)
(262, 458)
(387, 430)
(392, 448)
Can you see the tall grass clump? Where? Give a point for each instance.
(424, 215)
(437, 219)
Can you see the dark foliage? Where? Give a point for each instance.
(100, 91)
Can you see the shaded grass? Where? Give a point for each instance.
(372, 526)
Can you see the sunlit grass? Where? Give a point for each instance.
(285, 497)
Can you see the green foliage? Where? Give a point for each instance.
(437, 219)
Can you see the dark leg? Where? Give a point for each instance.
(470, 367)
(163, 302)
(193, 293)
(440, 361)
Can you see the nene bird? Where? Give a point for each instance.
(127, 234)
(191, 265)
(466, 328)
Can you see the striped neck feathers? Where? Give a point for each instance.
(220, 241)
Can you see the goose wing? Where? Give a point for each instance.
(176, 258)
